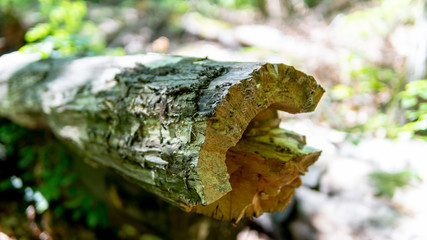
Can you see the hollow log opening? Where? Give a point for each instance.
(264, 167)
(265, 162)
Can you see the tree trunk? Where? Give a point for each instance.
(189, 130)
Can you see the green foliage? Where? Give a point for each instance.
(65, 31)
(368, 77)
(312, 3)
(386, 183)
(10, 133)
(16, 6)
(370, 87)
(374, 79)
(341, 92)
(414, 100)
(41, 171)
(84, 206)
(238, 4)
(382, 18)
(179, 7)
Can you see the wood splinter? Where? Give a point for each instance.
(195, 132)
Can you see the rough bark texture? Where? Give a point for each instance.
(169, 123)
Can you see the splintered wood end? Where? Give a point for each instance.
(264, 168)
(244, 143)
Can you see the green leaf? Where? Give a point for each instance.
(40, 31)
(51, 190)
(68, 179)
(5, 185)
(58, 211)
(26, 157)
(92, 219)
(27, 176)
(75, 203)
(386, 183)
(101, 212)
(341, 92)
(409, 102)
(421, 124)
(412, 115)
(87, 202)
(77, 214)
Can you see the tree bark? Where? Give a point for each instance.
(179, 127)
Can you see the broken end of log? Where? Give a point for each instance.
(248, 165)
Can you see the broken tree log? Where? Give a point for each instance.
(198, 133)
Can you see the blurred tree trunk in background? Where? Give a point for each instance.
(11, 33)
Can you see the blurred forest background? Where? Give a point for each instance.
(371, 124)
